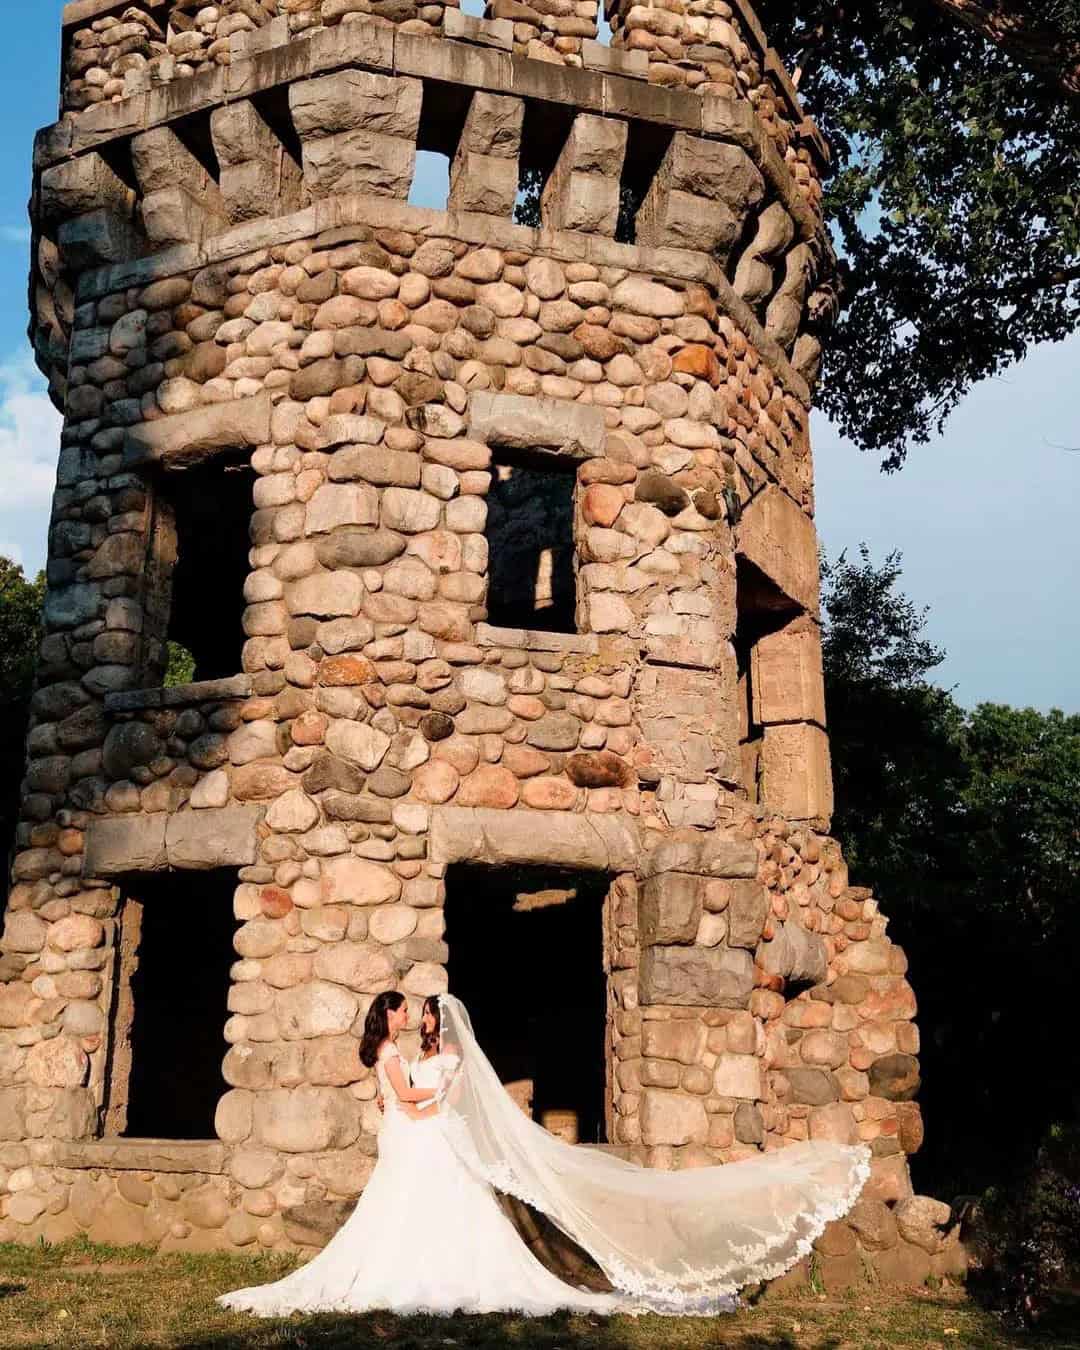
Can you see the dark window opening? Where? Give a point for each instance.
(196, 578)
(543, 135)
(527, 959)
(530, 534)
(194, 134)
(272, 105)
(442, 119)
(168, 1044)
(761, 608)
(646, 146)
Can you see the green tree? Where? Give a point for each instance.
(20, 634)
(965, 825)
(954, 199)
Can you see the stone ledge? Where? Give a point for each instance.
(533, 640)
(195, 840)
(142, 1155)
(523, 422)
(587, 840)
(179, 695)
(186, 439)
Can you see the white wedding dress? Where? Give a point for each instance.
(425, 1236)
(429, 1235)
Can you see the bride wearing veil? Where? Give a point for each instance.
(429, 1235)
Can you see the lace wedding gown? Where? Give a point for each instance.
(428, 1234)
(425, 1236)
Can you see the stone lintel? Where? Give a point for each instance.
(195, 840)
(179, 695)
(702, 854)
(204, 1156)
(588, 840)
(186, 439)
(520, 422)
(532, 640)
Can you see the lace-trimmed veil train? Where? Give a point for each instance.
(428, 1233)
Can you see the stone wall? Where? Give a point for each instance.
(370, 366)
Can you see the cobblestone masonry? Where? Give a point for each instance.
(226, 273)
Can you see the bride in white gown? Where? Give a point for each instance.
(429, 1235)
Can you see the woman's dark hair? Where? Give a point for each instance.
(376, 1028)
(429, 1040)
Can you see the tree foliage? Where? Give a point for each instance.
(20, 634)
(954, 200)
(965, 824)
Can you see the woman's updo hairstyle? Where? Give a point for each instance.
(376, 1025)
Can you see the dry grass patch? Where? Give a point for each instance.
(80, 1295)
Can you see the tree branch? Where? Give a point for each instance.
(1050, 55)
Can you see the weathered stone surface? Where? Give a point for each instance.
(225, 837)
(305, 1119)
(671, 1118)
(589, 840)
(190, 437)
(670, 909)
(696, 976)
(895, 1077)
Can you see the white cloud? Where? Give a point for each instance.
(29, 446)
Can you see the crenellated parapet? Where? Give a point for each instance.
(302, 113)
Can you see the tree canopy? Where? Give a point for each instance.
(954, 200)
(965, 824)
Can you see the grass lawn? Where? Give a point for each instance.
(80, 1295)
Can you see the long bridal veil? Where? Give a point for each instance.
(669, 1239)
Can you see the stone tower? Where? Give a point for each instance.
(493, 548)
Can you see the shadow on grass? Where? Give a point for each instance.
(496, 1332)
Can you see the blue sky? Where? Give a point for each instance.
(986, 517)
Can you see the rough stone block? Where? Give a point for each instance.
(696, 977)
(78, 186)
(359, 161)
(355, 99)
(259, 177)
(672, 1118)
(133, 843)
(188, 438)
(796, 772)
(687, 718)
(582, 191)
(222, 837)
(707, 855)
(516, 422)
(747, 912)
(173, 215)
(96, 238)
(482, 183)
(786, 680)
(669, 909)
(700, 196)
(778, 537)
(562, 838)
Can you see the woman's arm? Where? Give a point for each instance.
(403, 1091)
(420, 1112)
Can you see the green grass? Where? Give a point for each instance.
(80, 1295)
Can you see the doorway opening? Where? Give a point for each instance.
(167, 1044)
(527, 959)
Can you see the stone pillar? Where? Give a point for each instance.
(484, 172)
(700, 197)
(358, 132)
(583, 190)
(181, 202)
(258, 175)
